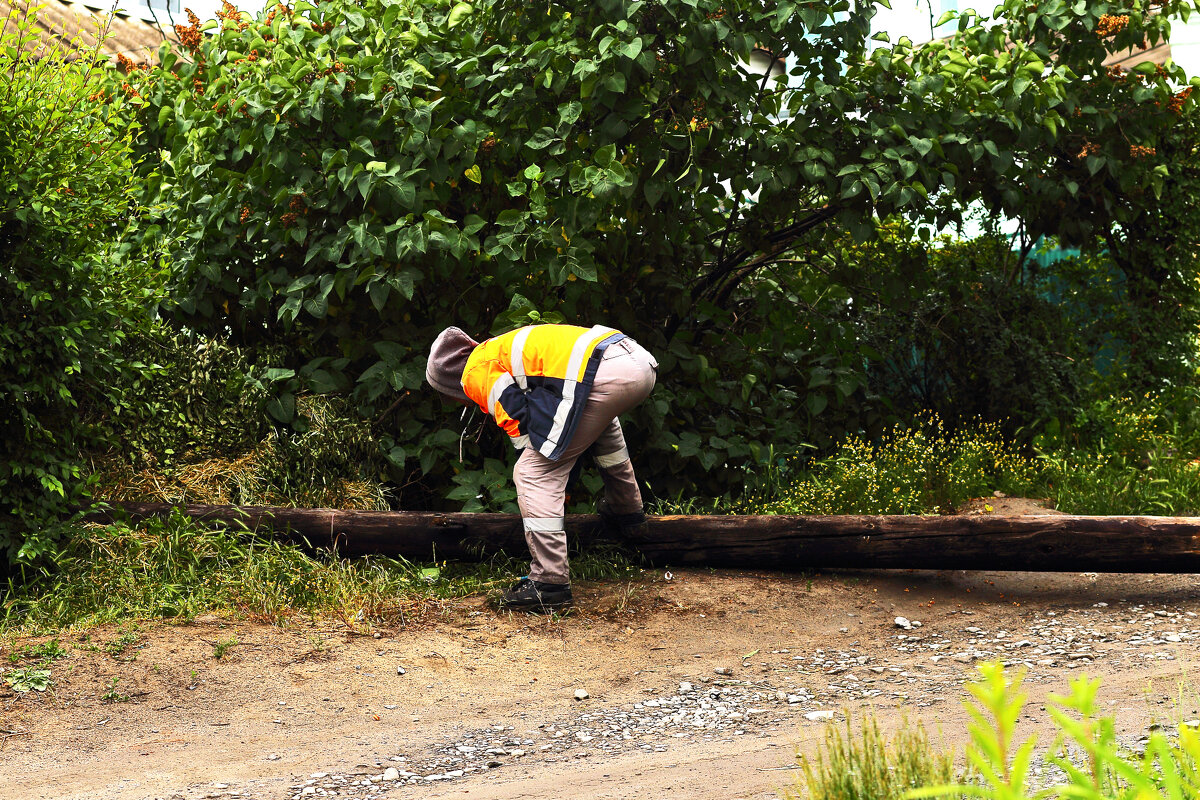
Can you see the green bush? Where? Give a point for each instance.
(66, 174)
(334, 462)
(912, 469)
(190, 426)
(195, 397)
(1127, 455)
(1139, 334)
(954, 332)
(347, 178)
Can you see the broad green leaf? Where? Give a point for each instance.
(459, 13)
(283, 408)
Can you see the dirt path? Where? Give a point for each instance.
(701, 687)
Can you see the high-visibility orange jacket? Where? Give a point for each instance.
(535, 381)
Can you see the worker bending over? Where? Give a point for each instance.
(556, 390)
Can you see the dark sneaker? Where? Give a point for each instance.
(531, 595)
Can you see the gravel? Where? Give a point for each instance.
(919, 664)
(707, 709)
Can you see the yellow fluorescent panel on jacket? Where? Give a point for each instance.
(535, 381)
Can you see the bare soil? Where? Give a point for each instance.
(284, 703)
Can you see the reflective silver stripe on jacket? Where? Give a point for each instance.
(517, 358)
(502, 383)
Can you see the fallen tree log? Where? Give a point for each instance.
(1040, 543)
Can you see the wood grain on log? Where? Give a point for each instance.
(1041, 543)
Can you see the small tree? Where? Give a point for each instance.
(65, 187)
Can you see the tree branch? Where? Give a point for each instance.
(719, 282)
(737, 204)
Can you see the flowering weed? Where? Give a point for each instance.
(916, 469)
(1126, 456)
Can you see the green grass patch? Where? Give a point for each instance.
(1127, 456)
(173, 568)
(47, 651)
(869, 766)
(920, 468)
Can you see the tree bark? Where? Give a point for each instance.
(1046, 543)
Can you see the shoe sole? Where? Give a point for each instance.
(535, 608)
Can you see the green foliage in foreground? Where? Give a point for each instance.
(198, 398)
(1085, 748)
(173, 568)
(1084, 751)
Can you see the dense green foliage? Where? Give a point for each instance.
(333, 463)
(65, 301)
(918, 469)
(944, 330)
(329, 185)
(350, 178)
(197, 398)
(1124, 455)
(193, 428)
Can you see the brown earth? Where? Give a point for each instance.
(284, 703)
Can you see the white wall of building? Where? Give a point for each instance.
(912, 19)
(1185, 44)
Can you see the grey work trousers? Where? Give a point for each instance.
(624, 378)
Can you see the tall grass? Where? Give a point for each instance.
(174, 568)
(921, 468)
(871, 767)
(1085, 757)
(1127, 456)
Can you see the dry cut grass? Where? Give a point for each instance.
(245, 480)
